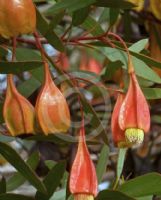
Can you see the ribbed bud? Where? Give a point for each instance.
(52, 110)
(18, 112)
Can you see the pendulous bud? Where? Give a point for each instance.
(18, 112)
(134, 116)
(52, 110)
(83, 179)
(17, 17)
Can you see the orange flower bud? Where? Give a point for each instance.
(17, 17)
(83, 179)
(18, 112)
(52, 110)
(134, 116)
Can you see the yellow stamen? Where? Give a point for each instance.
(134, 136)
(83, 197)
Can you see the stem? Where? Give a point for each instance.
(130, 65)
(39, 46)
(43, 55)
(10, 76)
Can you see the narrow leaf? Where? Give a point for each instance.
(18, 67)
(14, 159)
(102, 162)
(17, 179)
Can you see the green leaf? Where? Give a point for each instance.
(55, 174)
(18, 67)
(2, 186)
(138, 46)
(52, 180)
(17, 179)
(71, 5)
(92, 26)
(14, 197)
(48, 33)
(152, 93)
(144, 71)
(123, 4)
(56, 19)
(147, 59)
(141, 186)
(80, 15)
(29, 86)
(113, 15)
(50, 164)
(145, 198)
(14, 159)
(102, 163)
(112, 195)
(120, 161)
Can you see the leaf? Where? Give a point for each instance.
(112, 195)
(71, 5)
(145, 198)
(115, 4)
(92, 26)
(120, 161)
(55, 174)
(152, 93)
(113, 15)
(17, 179)
(14, 159)
(2, 186)
(48, 33)
(138, 46)
(144, 71)
(79, 16)
(14, 197)
(56, 19)
(50, 164)
(52, 180)
(102, 163)
(141, 186)
(29, 86)
(18, 67)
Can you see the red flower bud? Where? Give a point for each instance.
(134, 116)
(83, 179)
(118, 134)
(52, 110)
(17, 17)
(18, 112)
